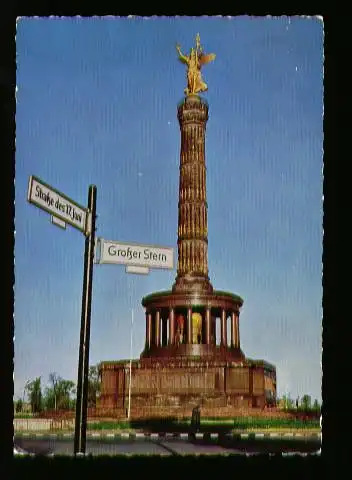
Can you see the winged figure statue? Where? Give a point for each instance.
(194, 61)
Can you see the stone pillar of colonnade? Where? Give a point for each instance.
(157, 328)
(233, 329)
(207, 326)
(148, 333)
(235, 333)
(237, 345)
(223, 328)
(171, 326)
(189, 326)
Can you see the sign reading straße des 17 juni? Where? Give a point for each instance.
(150, 256)
(56, 203)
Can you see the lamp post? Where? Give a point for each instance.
(130, 382)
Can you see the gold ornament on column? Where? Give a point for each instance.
(194, 61)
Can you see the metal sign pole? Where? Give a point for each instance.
(83, 362)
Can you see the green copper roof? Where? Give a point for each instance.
(157, 294)
(261, 362)
(162, 293)
(229, 294)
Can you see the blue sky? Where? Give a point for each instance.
(96, 103)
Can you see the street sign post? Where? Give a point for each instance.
(83, 362)
(136, 255)
(64, 210)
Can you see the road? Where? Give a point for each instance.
(169, 446)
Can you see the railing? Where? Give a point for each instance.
(162, 414)
(41, 424)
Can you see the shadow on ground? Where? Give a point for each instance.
(173, 425)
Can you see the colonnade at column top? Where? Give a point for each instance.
(176, 326)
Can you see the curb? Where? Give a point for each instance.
(164, 436)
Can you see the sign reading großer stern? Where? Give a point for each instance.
(150, 256)
(59, 205)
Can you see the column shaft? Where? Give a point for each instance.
(223, 328)
(192, 207)
(207, 326)
(172, 326)
(189, 325)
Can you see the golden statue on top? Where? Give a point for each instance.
(195, 60)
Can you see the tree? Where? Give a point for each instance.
(53, 379)
(19, 405)
(58, 395)
(316, 406)
(287, 402)
(306, 402)
(34, 390)
(283, 401)
(93, 386)
(65, 389)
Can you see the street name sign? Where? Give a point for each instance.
(58, 204)
(150, 256)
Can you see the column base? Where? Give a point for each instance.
(207, 352)
(192, 284)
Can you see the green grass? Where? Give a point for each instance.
(248, 423)
(109, 426)
(241, 423)
(208, 421)
(254, 422)
(23, 415)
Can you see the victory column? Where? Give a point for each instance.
(183, 362)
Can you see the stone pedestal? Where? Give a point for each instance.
(185, 383)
